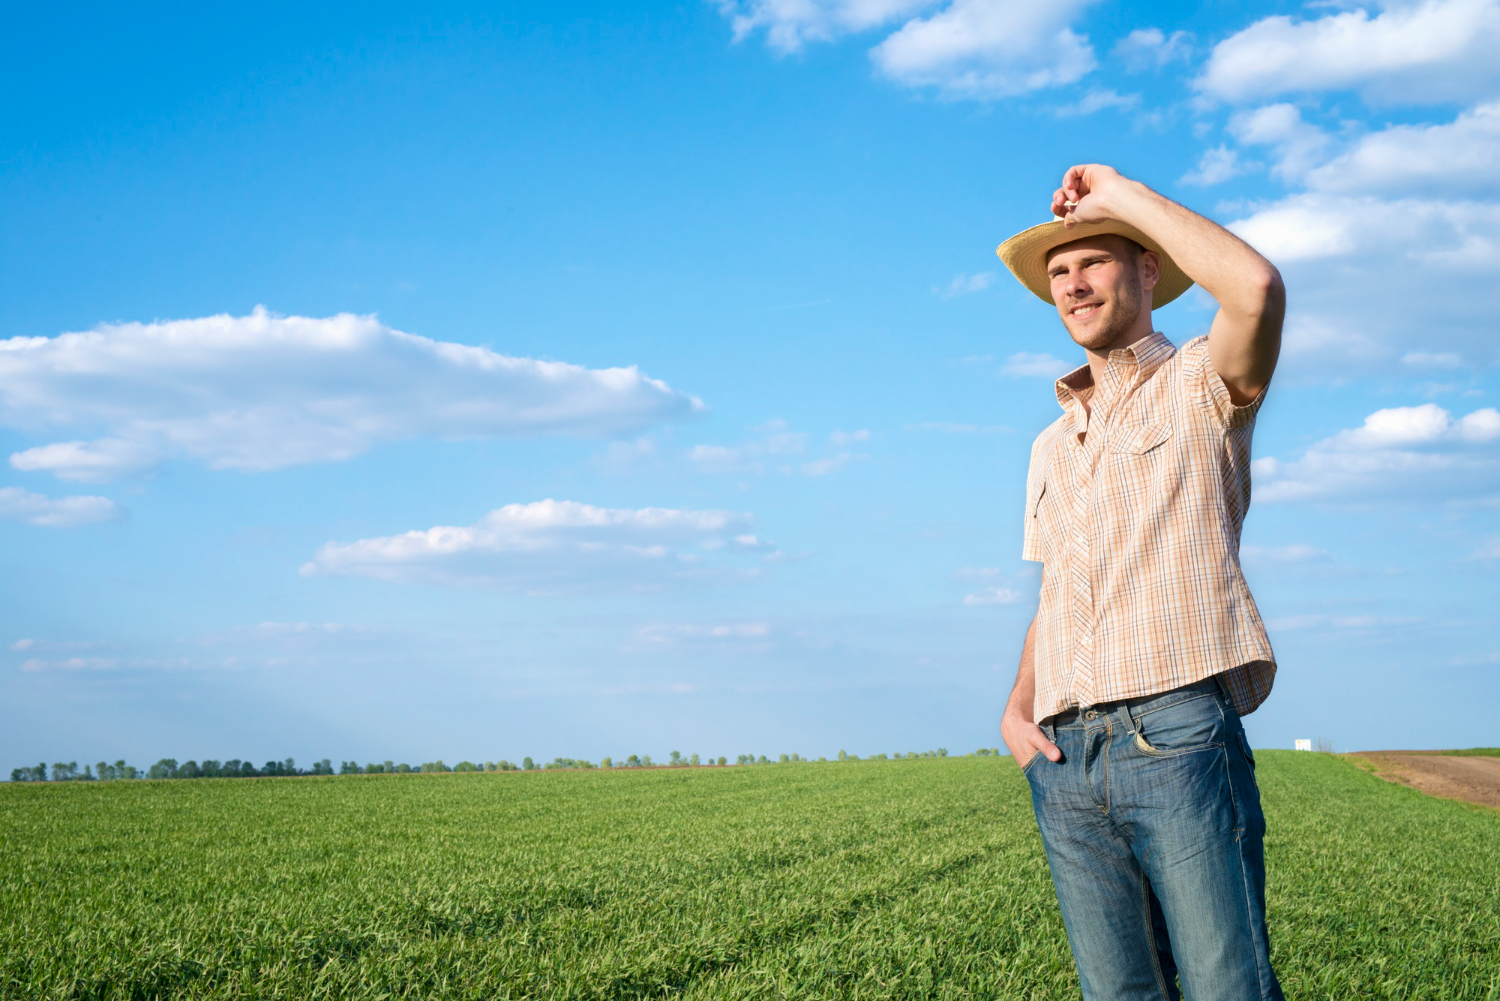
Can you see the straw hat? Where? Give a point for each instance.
(1026, 256)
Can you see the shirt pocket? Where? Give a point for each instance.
(1140, 439)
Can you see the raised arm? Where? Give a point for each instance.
(1245, 338)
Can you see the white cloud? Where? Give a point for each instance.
(1400, 453)
(1299, 145)
(949, 427)
(1026, 364)
(1438, 50)
(980, 49)
(822, 467)
(662, 632)
(988, 48)
(70, 664)
(1151, 48)
(1215, 166)
(1429, 359)
(994, 596)
(776, 449)
(1099, 100)
(551, 546)
(1296, 553)
(1290, 622)
(1489, 550)
(965, 283)
(1372, 279)
(18, 504)
(790, 24)
(1433, 160)
(263, 391)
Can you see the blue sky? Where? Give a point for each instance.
(589, 379)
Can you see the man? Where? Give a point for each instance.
(1147, 648)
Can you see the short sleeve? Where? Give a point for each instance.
(1204, 383)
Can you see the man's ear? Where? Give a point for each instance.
(1150, 270)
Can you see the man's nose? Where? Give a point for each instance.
(1077, 287)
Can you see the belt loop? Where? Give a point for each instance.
(1126, 719)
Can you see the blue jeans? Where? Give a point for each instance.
(1153, 831)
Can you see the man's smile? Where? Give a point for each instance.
(1084, 309)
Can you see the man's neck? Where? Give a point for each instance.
(1099, 358)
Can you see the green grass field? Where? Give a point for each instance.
(875, 879)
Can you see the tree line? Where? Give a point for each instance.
(234, 768)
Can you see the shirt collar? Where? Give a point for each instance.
(1139, 360)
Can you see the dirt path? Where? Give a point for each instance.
(1475, 779)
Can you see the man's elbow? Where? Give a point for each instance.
(1261, 302)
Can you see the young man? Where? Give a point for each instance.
(1147, 648)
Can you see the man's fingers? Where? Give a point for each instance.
(1051, 750)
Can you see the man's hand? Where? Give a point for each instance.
(1085, 194)
(1024, 738)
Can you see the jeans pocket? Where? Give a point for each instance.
(1026, 768)
(1245, 746)
(1195, 725)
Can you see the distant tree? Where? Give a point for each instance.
(373, 769)
(723, 760)
(28, 774)
(65, 772)
(607, 763)
(403, 768)
(632, 762)
(436, 766)
(389, 766)
(693, 760)
(843, 755)
(350, 768)
(878, 757)
(676, 759)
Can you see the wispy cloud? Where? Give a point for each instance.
(1152, 48)
(18, 504)
(1028, 365)
(553, 546)
(949, 427)
(964, 284)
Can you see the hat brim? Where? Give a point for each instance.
(1026, 256)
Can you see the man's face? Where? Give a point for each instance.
(1100, 285)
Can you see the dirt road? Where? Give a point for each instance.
(1475, 779)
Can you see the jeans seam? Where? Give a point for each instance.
(1161, 980)
(1262, 948)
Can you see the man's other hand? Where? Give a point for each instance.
(1023, 739)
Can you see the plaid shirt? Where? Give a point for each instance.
(1138, 528)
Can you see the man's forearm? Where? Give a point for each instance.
(1228, 268)
(1023, 693)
